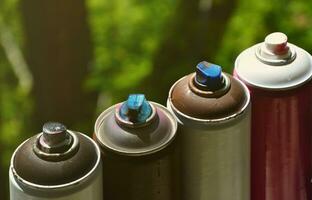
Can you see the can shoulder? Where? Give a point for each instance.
(139, 141)
(191, 105)
(34, 171)
(258, 74)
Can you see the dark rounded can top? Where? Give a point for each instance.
(55, 158)
(132, 137)
(194, 101)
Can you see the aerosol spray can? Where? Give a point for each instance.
(137, 141)
(56, 164)
(213, 111)
(278, 75)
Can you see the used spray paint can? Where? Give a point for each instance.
(56, 164)
(137, 141)
(213, 111)
(278, 75)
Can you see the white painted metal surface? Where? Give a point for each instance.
(274, 64)
(215, 160)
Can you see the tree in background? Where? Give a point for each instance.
(126, 36)
(146, 46)
(15, 86)
(58, 52)
(251, 22)
(193, 35)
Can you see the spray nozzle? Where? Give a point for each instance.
(209, 75)
(54, 138)
(136, 109)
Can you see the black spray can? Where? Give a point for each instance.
(137, 142)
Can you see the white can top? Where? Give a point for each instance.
(274, 64)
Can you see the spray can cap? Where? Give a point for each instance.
(136, 109)
(53, 159)
(274, 64)
(54, 133)
(206, 96)
(154, 127)
(275, 50)
(209, 75)
(54, 138)
(276, 43)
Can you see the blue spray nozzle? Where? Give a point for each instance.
(136, 109)
(209, 75)
(135, 101)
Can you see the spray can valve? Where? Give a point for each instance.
(136, 109)
(54, 138)
(275, 50)
(209, 75)
(276, 43)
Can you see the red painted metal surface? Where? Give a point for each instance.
(281, 156)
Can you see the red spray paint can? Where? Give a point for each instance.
(278, 75)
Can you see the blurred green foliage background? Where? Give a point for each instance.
(69, 60)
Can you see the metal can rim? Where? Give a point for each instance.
(182, 117)
(99, 121)
(79, 181)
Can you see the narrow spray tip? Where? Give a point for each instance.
(209, 75)
(136, 109)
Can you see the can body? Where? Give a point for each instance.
(139, 162)
(149, 177)
(59, 176)
(214, 140)
(281, 144)
(278, 75)
(215, 161)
